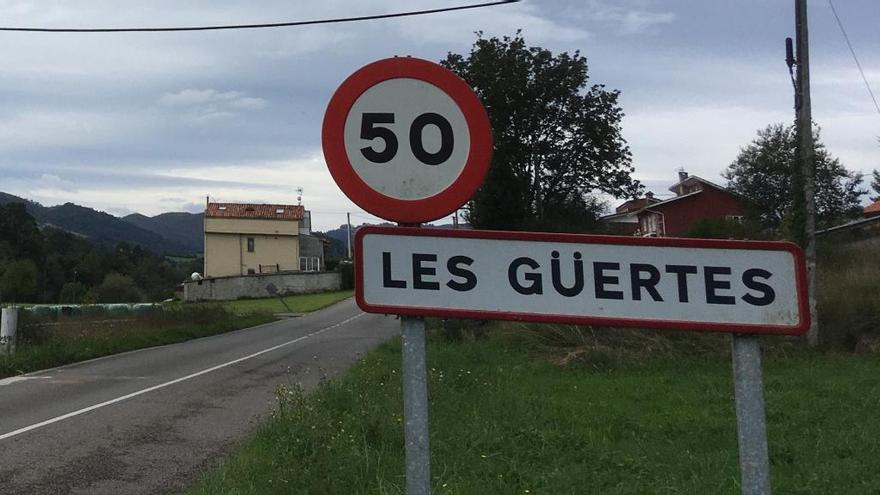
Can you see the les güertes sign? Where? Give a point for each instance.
(409, 141)
(683, 284)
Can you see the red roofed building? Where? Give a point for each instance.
(873, 209)
(624, 220)
(695, 199)
(243, 239)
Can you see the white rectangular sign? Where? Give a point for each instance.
(685, 284)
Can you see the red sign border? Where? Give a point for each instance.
(407, 211)
(797, 252)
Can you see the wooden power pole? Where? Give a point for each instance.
(806, 157)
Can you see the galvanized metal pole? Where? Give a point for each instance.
(8, 326)
(415, 406)
(348, 233)
(751, 424)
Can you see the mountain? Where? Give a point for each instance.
(107, 229)
(180, 227)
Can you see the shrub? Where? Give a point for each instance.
(346, 271)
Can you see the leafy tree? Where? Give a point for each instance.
(762, 173)
(72, 293)
(19, 281)
(875, 184)
(19, 235)
(118, 288)
(557, 139)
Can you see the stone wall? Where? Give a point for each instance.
(255, 286)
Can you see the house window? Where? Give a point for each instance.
(251, 271)
(309, 264)
(250, 244)
(735, 218)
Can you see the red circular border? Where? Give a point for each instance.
(399, 210)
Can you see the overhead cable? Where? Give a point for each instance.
(852, 50)
(256, 26)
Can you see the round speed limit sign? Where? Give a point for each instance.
(407, 140)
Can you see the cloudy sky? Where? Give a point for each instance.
(154, 122)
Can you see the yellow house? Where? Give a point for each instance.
(245, 239)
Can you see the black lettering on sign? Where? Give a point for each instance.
(768, 295)
(681, 272)
(649, 284)
(578, 284)
(535, 278)
(387, 281)
(454, 266)
(369, 131)
(601, 280)
(419, 271)
(447, 139)
(713, 285)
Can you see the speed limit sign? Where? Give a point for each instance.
(407, 140)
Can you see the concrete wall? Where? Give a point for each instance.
(229, 288)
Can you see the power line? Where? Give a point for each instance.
(257, 26)
(851, 50)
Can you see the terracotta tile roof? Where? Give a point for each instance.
(873, 209)
(243, 210)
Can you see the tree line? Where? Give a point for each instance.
(558, 142)
(47, 265)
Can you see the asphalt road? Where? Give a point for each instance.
(153, 420)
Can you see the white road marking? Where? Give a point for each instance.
(169, 383)
(14, 379)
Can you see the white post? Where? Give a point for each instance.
(8, 325)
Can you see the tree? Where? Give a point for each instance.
(19, 281)
(762, 174)
(72, 293)
(118, 288)
(875, 184)
(19, 235)
(556, 139)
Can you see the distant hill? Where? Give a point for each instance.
(339, 237)
(107, 229)
(186, 229)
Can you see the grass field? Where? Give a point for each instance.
(49, 342)
(507, 418)
(304, 303)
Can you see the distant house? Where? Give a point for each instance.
(624, 220)
(868, 225)
(872, 210)
(695, 199)
(248, 239)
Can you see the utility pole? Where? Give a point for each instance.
(806, 157)
(348, 232)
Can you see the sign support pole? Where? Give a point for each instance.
(415, 406)
(750, 415)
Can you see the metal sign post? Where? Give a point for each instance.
(415, 406)
(409, 141)
(750, 415)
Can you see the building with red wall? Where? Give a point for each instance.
(695, 199)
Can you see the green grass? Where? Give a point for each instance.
(506, 420)
(48, 343)
(304, 303)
